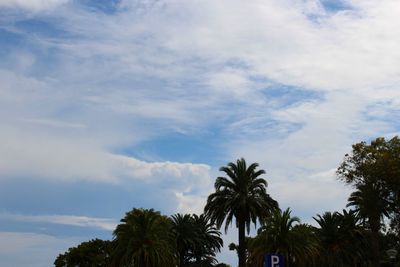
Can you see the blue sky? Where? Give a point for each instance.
(110, 105)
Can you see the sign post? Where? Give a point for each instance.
(273, 260)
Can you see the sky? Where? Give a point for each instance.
(111, 105)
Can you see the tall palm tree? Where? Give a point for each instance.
(144, 239)
(241, 195)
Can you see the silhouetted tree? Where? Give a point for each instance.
(283, 234)
(144, 239)
(241, 195)
(341, 240)
(374, 171)
(95, 252)
(197, 240)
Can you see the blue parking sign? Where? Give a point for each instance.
(273, 260)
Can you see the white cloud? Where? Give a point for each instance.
(32, 5)
(40, 155)
(51, 157)
(300, 166)
(46, 156)
(55, 123)
(310, 195)
(144, 169)
(275, 39)
(192, 204)
(230, 82)
(238, 47)
(30, 249)
(82, 221)
(190, 183)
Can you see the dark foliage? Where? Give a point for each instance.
(241, 195)
(95, 252)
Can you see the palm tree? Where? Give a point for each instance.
(331, 239)
(304, 247)
(197, 240)
(185, 235)
(283, 234)
(341, 239)
(371, 205)
(144, 239)
(241, 195)
(210, 240)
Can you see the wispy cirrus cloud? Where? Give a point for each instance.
(54, 123)
(82, 221)
(32, 5)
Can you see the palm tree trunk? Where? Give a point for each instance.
(181, 259)
(375, 227)
(375, 248)
(242, 245)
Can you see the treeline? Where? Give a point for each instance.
(365, 234)
(146, 238)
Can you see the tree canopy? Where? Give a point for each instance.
(95, 252)
(373, 169)
(365, 235)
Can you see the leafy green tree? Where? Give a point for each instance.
(374, 171)
(241, 195)
(144, 239)
(95, 252)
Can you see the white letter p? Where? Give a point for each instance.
(274, 260)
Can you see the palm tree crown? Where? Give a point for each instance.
(144, 239)
(241, 195)
(341, 239)
(285, 235)
(371, 206)
(197, 240)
